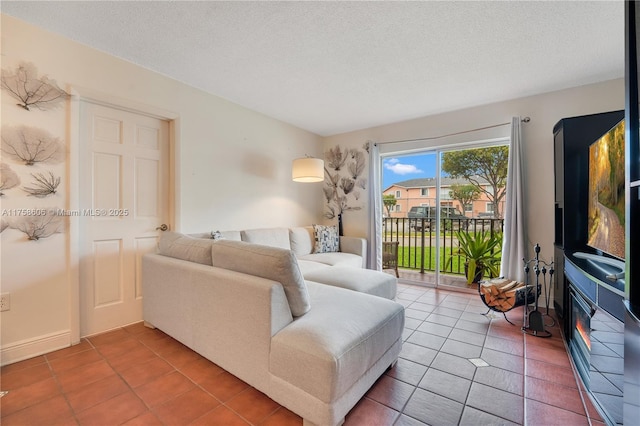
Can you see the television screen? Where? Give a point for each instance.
(606, 193)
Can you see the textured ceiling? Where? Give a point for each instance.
(332, 67)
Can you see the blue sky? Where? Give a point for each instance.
(397, 169)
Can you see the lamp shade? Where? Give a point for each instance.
(307, 170)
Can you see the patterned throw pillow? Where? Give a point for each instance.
(217, 235)
(326, 239)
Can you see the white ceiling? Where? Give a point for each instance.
(332, 67)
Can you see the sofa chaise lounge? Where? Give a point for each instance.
(313, 347)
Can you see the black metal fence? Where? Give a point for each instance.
(417, 240)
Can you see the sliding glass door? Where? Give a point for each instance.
(430, 197)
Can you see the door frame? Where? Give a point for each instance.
(80, 94)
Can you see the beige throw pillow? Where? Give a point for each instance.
(180, 246)
(272, 263)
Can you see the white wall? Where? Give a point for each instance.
(545, 111)
(233, 172)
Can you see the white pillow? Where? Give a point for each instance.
(272, 263)
(180, 246)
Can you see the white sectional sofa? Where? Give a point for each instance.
(313, 345)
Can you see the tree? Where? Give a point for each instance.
(389, 201)
(464, 194)
(489, 164)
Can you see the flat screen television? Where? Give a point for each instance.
(606, 211)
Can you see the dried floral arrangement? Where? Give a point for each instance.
(43, 185)
(32, 90)
(39, 226)
(31, 145)
(344, 179)
(8, 178)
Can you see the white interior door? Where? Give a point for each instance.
(124, 198)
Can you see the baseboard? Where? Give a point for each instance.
(30, 348)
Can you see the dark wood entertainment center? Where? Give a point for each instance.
(590, 306)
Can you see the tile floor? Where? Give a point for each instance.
(456, 367)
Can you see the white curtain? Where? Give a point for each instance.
(513, 247)
(374, 255)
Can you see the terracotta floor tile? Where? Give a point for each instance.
(79, 377)
(186, 408)
(95, 393)
(114, 411)
(220, 416)
(146, 419)
(139, 374)
(164, 388)
(27, 396)
(553, 394)
(391, 392)
(253, 405)
(224, 386)
(509, 332)
(139, 355)
(136, 328)
(282, 417)
(84, 345)
(181, 357)
(118, 348)
(17, 378)
(537, 413)
(552, 356)
(51, 411)
(75, 360)
(31, 362)
(407, 371)
(110, 337)
(200, 369)
(164, 345)
(369, 412)
(550, 372)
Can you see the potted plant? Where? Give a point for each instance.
(482, 252)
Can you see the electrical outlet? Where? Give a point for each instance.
(5, 302)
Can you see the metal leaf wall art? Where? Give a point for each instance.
(30, 90)
(38, 226)
(31, 145)
(43, 185)
(8, 178)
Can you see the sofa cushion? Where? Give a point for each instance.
(327, 350)
(273, 263)
(302, 240)
(307, 266)
(274, 237)
(363, 280)
(180, 246)
(326, 239)
(226, 235)
(334, 259)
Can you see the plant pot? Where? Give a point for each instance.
(477, 277)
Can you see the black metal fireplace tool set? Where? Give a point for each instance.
(532, 321)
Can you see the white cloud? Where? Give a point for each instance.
(395, 166)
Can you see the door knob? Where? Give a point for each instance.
(162, 227)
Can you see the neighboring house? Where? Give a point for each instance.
(422, 192)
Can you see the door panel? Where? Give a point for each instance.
(124, 190)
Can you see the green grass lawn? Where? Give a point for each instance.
(410, 257)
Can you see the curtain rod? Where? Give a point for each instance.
(524, 120)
